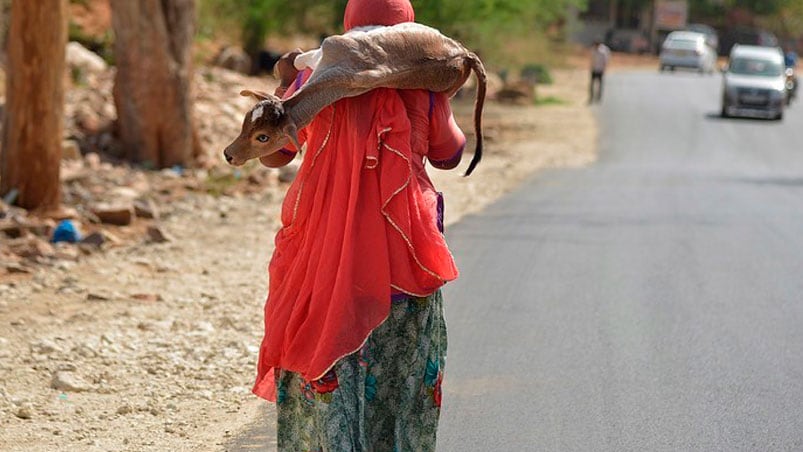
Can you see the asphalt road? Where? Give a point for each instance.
(650, 302)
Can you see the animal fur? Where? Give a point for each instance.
(404, 56)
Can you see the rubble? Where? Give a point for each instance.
(67, 381)
(145, 208)
(24, 411)
(80, 58)
(157, 235)
(120, 214)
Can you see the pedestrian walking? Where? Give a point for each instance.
(355, 340)
(600, 55)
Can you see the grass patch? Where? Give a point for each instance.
(549, 100)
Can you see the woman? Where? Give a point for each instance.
(355, 340)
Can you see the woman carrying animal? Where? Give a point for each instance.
(355, 339)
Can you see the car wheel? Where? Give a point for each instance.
(724, 112)
(779, 116)
(672, 68)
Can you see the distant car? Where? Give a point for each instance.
(711, 36)
(687, 49)
(627, 40)
(754, 83)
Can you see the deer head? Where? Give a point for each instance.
(266, 129)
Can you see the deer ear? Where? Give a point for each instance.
(258, 95)
(292, 133)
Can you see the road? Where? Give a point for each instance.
(650, 302)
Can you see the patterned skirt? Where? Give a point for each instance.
(386, 397)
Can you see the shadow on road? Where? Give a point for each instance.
(717, 116)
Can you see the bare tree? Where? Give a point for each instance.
(32, 126)
(153, 43)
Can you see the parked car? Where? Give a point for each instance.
(754, 83)
(711, 36)
(687, 49)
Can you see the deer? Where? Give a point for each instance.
(403, 56)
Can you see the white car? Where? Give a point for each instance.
(688, 49)
(754, 83)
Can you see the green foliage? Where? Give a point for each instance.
(537, 72)
(252, 21)
(489, 24)
(485, 25)
(549, 100)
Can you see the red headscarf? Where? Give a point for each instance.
(355, 223)
(361, 13)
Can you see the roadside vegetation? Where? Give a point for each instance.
(502, 31)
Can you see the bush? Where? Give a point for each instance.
(537, 73)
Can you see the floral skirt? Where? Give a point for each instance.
(386, 397)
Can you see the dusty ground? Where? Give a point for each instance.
(154, 345)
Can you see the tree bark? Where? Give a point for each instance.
(33, 123)
(153, 43)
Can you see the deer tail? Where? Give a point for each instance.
(475, 64)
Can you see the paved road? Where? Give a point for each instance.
(650, 302)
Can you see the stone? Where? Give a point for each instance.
(68, 382)
(96, 297)
(100, 238)
(87, 120)
(12, 229)
(80, 58)
(18, 269)
(92, 161)
(149, 297)
(145, 208)
(157, 235)
(43, 228)
(70, 150)
(34, 248)
(124, 409)
(67, 252)
(64, 213)
(120, 214)
(234, 59)
(124, 194)
(45, 347)
(24, 411)
(203, 327)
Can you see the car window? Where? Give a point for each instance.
(755, 66)
(684, 44)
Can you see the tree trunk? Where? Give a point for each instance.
(153, 43)
(33, 123)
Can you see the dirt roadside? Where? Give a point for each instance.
(153, 346)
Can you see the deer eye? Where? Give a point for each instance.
(262, 138)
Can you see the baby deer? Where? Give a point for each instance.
(404, 56)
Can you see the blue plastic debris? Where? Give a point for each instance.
(66, 231)
(178, 169)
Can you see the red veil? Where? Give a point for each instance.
(355, 226)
